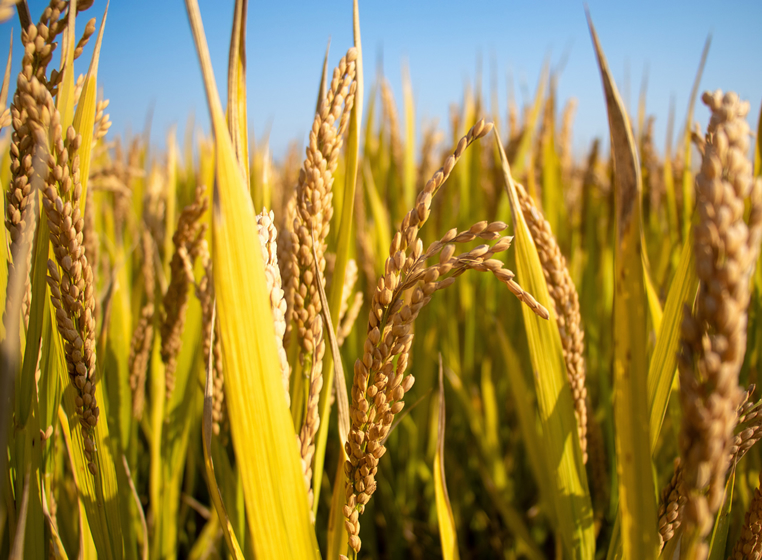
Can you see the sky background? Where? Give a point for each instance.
(148, 60)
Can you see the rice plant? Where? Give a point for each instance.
(211, 353)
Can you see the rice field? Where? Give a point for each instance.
(484, 347)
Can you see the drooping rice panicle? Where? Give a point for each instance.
(189, 241)
(314, 210)
(86, 34)
(750, 420)
(379, 384)
(713, 335)
(140, 353)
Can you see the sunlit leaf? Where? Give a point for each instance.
(637, 503)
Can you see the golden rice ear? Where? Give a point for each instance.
(276, 503)
(714, 332)
(91, 451)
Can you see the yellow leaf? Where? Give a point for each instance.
(447, 534)
(263, 435)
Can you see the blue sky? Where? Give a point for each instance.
(148, 59)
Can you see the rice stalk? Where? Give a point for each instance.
(212, 349)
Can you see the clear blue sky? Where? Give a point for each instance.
(148, 58)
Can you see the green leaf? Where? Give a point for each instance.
(637, 503)
(84, 118)
(569, 494)
(719, 540)
(663, 367)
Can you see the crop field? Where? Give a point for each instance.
(474, 340)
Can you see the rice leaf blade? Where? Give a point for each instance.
(569, 493)
(84, 117)
(663, 366)
(237, 120)
(276, 502)
(447, 534)
(654, 306)
(637, 504)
